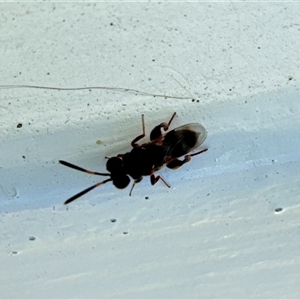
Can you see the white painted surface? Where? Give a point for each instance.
(215, 233)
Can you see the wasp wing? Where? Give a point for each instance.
(184, 139)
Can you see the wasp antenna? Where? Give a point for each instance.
(67, 164)
(86, 191)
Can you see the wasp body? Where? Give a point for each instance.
(147, 158)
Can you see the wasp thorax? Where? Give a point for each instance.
(114, 164)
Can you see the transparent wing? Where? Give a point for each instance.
(184, 139)
(197, 128)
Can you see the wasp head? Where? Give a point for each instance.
(119, 178)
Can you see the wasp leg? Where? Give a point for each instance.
(133, 143)
(135, 182)
(177, 163)
(156, 132)
(154, 179)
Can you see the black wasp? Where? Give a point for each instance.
(146, 159)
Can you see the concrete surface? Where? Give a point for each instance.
(229, 225)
